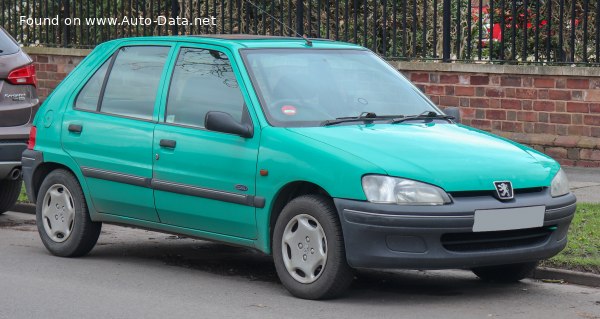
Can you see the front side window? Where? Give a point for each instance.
(203, 81)
(305, 87)
(133, 81)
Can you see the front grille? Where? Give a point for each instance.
(517, 191)
(506, 239)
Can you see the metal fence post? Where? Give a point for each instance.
(66, 29)
(300, 17)
(174, 15)
(446, 31)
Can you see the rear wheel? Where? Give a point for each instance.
(62, 216)
(505, 273)
(9, 193)
(308, 249)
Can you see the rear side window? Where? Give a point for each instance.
(203, 81)
(7, 43)
(133, 81)
(90, 94)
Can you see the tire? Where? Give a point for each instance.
(505, 273)
(62, 216)
(312, 216)
(9, 193)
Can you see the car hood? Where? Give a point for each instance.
(454, 157)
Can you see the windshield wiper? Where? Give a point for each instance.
(364, 117)
(427, 115)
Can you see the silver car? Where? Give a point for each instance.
(18, 104)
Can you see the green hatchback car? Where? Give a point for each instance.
(314, 151)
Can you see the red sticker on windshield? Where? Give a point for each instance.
(288, 110)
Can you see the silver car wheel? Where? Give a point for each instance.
(58, 213)
(304, 248)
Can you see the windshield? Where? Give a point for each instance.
(305, 87)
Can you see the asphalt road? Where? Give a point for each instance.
(140, 274)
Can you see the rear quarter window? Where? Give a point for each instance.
(90, 94)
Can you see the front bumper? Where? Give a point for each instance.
(441, 237)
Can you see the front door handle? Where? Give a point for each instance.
(75, 128)
(168, 143)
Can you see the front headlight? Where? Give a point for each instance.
(560, 184)
(389, 190)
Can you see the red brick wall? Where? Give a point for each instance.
(558, 115)
(51, 69)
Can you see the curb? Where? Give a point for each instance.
(570, 276)
(541, 273)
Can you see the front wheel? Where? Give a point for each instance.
(308, 249)
(62, 216)
(505, 273)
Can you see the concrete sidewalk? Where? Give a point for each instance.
(585, 183)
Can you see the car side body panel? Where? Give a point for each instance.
(290, 157)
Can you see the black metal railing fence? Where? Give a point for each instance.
(508, 31)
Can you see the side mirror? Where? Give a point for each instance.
(224, 122)
(454, 112)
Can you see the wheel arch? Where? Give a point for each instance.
(46, 167)
(288, 192)
(42, 171)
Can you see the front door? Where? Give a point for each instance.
(204, 180)
(110, 135)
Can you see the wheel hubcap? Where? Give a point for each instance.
(58, 213)
(304, 248)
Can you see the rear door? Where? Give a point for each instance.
(205, 180)
(109, 130)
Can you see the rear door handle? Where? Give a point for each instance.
(168, 143)
(75, 128)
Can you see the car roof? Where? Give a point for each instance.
(239, 41)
